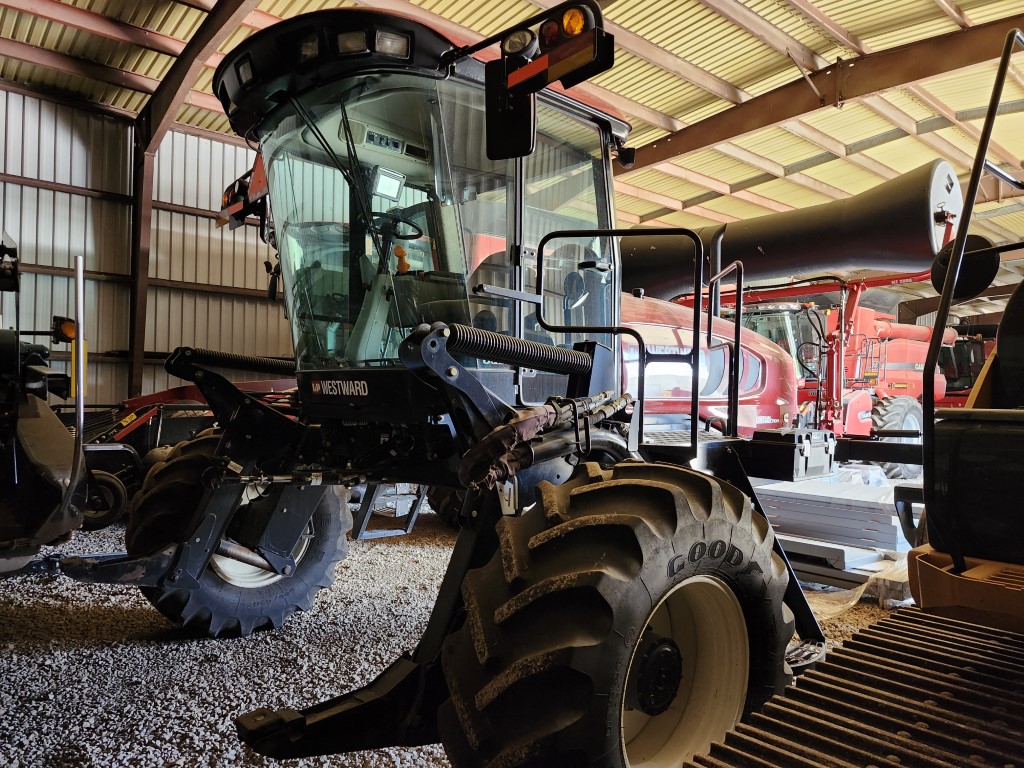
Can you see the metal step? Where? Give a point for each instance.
(914, 690)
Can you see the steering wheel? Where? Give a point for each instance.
(417, 231)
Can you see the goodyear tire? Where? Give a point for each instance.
(233, 599)
(898, 413)
(628, 619)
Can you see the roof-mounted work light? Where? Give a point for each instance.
(522, 42)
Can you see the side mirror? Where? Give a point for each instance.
(246, 196)
(511, 118)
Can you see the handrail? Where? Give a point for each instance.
(643, 358)
(734, 351)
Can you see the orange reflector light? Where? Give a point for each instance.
(573, 22)
(63, 329)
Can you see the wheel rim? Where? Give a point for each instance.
(910, 421)
(703, 618)
(247, 576)
(100, 502)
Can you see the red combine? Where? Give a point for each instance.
(861, 372)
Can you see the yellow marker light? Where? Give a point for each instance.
(62, 329)
(573, 22)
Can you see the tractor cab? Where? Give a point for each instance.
(388, 212)
(797, 328)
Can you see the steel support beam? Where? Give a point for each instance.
(72, 65)
(837, 84)
(159, 112)
(151, 125)
(141, 231)
(104, 26)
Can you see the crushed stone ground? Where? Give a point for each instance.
(93, 676)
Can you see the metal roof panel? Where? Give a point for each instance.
(778, 145)
(851, 123)
(642, 81)
(845, 175)
(699, 35)
(791, 193)
(885, 25)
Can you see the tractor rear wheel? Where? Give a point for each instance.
(628, 619)
(898, 413)
(233, 598)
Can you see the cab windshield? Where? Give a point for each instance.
(388, 214)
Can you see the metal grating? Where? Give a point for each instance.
(914, 691)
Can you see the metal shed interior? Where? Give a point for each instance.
(115, 146)
(116, 149)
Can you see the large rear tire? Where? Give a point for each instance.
(628, 619)
(233, 598)
(898, 413)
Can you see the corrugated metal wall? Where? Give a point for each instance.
(91, 155)
(53, 143)
(193, 172)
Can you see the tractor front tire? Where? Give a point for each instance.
(233, 598)
(447, 504)
(898, 413)
(629, 618)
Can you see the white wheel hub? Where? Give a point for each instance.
(704, 620)
(248, 576)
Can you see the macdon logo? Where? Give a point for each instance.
(343, 387)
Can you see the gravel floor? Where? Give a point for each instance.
(94, 676)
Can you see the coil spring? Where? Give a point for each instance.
(198, 356)
(510, 350)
